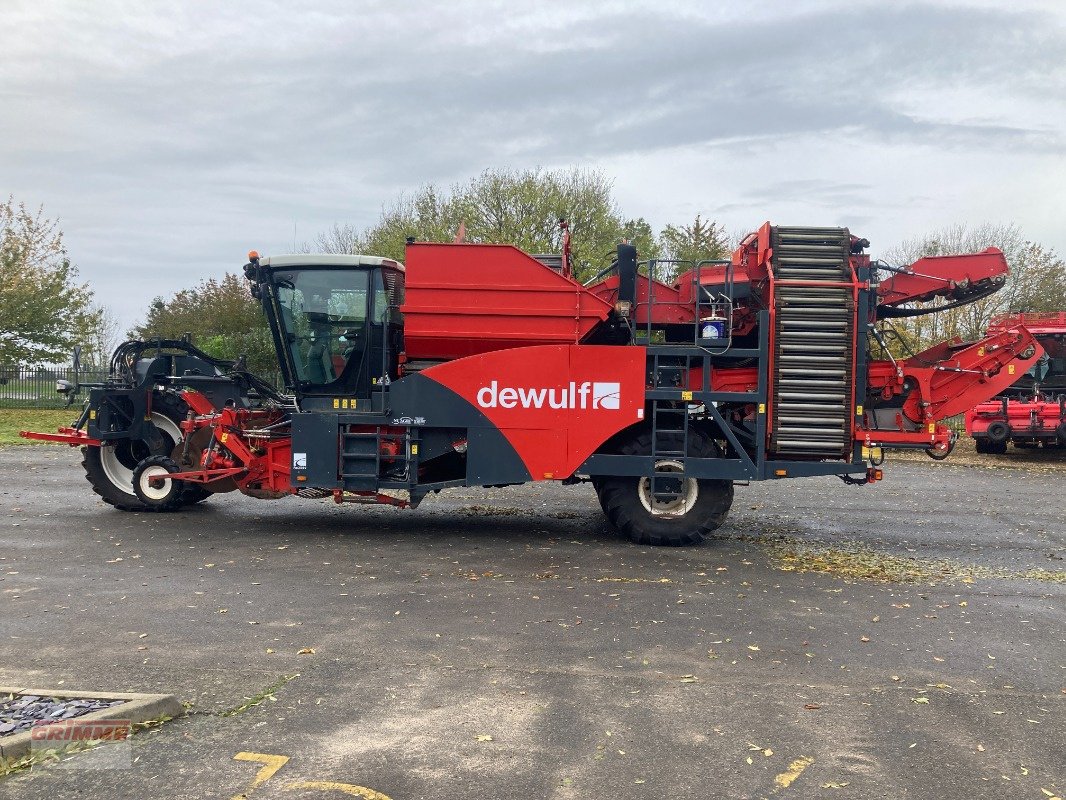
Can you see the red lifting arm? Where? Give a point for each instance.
(947, 379)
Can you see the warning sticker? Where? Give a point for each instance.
(299, 460)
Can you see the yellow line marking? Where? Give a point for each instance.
(795, 769)
(333, 786)
(273, 764)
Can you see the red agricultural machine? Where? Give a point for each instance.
(661, 384)
(1031, 412)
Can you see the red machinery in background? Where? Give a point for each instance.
(1032, 411)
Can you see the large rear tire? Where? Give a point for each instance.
(110, 469)
(700, 507)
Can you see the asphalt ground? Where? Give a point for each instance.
(503, 644)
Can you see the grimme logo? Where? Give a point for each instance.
(73, 730)
(586, 395)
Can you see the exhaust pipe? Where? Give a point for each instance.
(627, 274)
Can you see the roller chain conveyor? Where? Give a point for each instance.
(813, 343)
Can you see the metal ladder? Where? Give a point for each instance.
(814, 342)
(669, 429)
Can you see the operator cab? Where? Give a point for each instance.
(335, 320)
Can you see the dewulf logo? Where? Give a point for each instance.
(587, 395)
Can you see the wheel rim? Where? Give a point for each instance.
(119, 460)
(675, 506)
(153, 492)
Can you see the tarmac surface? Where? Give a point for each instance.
(504, 644)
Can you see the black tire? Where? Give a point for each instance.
(981, 445)
(164, 494)
(997, 448)
(106, 470)
(998, 432)
(621, 500)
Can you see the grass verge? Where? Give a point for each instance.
(13, 420)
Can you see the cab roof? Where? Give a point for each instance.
(328, 260)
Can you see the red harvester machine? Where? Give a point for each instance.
(1031, 411)
(479, 365)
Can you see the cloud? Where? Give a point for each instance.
(170, 139)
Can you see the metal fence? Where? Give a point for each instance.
(35, 387)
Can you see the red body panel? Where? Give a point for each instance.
(465, 299)
(600, 387)
(665, 300)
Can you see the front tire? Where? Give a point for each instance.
(109, 469)
(699, 507)
(153, 485)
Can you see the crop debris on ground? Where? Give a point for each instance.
(852, 561)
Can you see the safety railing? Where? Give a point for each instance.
(712, 313)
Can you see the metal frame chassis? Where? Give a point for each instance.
(744, 466)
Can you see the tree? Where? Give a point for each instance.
(102, 337)
(703, 240)
(339, 239)
(1041, 280)
(44, 311)
(519, 207)
(223, 318)
(1037, 282)
(640, 233)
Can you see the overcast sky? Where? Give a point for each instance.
(170, 138)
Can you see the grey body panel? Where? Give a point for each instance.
(416, 402)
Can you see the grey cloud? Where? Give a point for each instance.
(190, 131)
(827, 194)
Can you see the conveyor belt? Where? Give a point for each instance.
(813, 344)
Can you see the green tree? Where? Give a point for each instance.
(223, 318)
(1040, 283)
(703, 240)
(519, 207)
(44, 311)
(640, 233)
